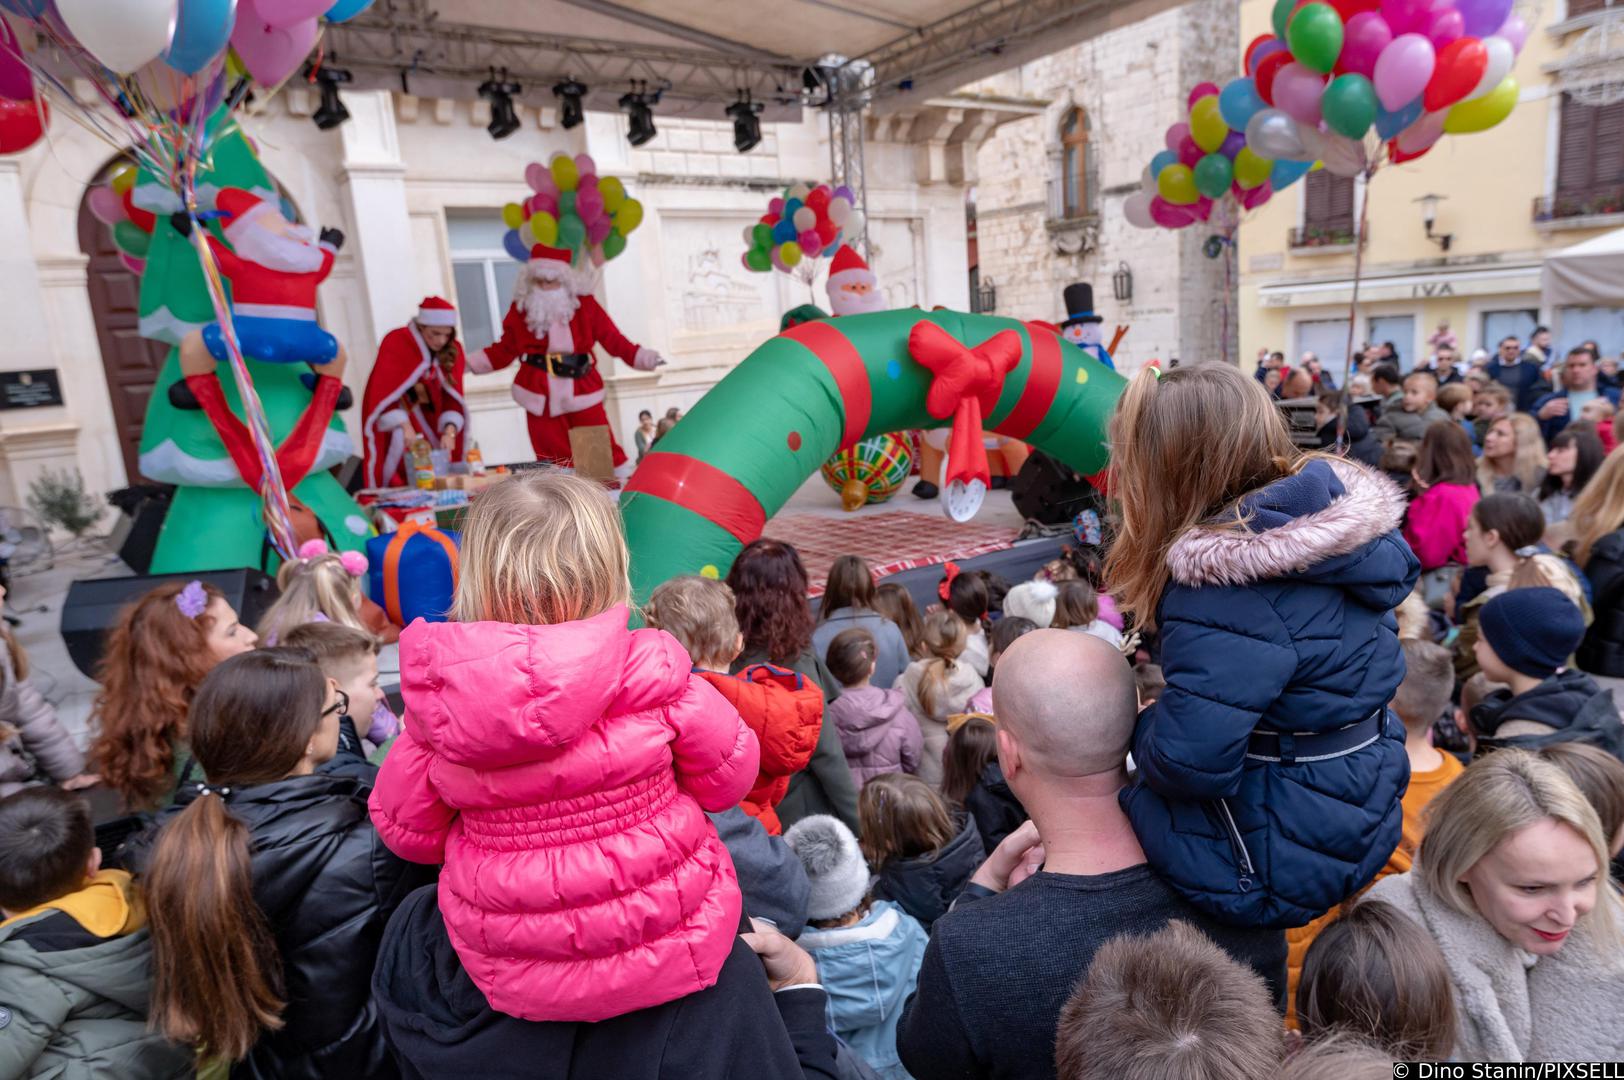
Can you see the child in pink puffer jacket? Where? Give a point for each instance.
(560, 765)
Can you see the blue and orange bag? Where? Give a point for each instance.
(412, 572)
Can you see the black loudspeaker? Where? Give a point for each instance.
(143, 507)
(92, 606)
(1048, 492)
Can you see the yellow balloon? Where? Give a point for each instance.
(1177, 185)
(513, 215)
(1251, 169)
(613, 192)
(790, 253)
(630, 215)
(1485, 112)
(545, 227)
(123, 179)
(1207, 125)
(565, 174)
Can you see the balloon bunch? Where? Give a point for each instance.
(1209, 163)
(1351, 83)
(113, 205)
(805, 223)
(571, 207)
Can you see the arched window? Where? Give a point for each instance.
(1074, 194)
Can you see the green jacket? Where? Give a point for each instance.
(73, 1005)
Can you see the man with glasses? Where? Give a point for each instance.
(1519, 373)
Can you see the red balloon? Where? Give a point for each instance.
(1399, 157)
(21, 124)
(1261, 39)
(143, 219)
(1267, 69)
(818, 199)
(769, 219)
(1349, 8)
(1460, 68)
(827, 231)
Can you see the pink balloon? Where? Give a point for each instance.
(585, 166)
(1444, 25)
(587, 181)
(1297, 92)
(589, 204)
(1514, 31)
(1403, 70)
(1176, 135)
(811, 243)
(544, 202)
(778, 263)
(1406, 15)
(1189, 152)
(1423, 133)
(775, 205)
(1201, 90)
(1169, 216)
(284, 14)
(1363, 39)
(1202, 208)
(1255, 197)
(533, 173)
(16, 82)
(270, 53)
(599, 229)
(106, 205)
(744, 260)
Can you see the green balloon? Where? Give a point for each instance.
(763, 235)
(613, 244)
(1213, 175)
(1315, 36)
(131, 240)
(1282, 16)
(759, 260)
(571, 233)
(566, 203)
(1349, 105)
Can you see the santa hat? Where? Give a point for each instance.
(434, 311)
(240, 207)
(550, 262)
(848, 268)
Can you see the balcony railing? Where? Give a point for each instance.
(1594, 202)
(984, 300)
(1317, 236)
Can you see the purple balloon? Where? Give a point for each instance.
(1297, 92)
(1515, 31)
(1233, 142)
(1403, 71)
(1481, 18)
(16, 82)
(1445, 25)
(1189, 152)
(1273, 45)
(844, 192)
(1363, 39)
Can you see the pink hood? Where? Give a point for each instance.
(561, 774)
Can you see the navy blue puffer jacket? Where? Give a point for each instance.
(1283, 625)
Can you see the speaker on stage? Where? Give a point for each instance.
(142, 509)
(92, 606)
(1048, 492)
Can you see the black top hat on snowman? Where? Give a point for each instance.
(1080, 305)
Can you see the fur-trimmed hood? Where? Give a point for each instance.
(1296, 526)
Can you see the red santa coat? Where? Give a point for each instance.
(541, 393)
(390, 421)
(264, 293)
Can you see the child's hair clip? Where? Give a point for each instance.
(354, 563)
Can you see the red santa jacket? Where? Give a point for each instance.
(261, 292)
(389, 418)
(542, 393)
(785, 710)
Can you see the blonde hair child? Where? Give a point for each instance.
(938, 686)
(317, 586)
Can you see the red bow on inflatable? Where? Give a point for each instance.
(966, 386)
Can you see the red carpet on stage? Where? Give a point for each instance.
(891, 542)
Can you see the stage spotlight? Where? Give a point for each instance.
(331, 112)
(746, 116)
(569, 94)
(640, 129)
(504, 120)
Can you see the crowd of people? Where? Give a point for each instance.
(1294, 765)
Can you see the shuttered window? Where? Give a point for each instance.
(1328, 201)
(1585, 7)
(1074, 164)
(1590, 156)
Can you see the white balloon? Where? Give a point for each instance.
(1501, 57)
(799, 191)
(839, 209)
(1341, 155)
(749, 236)
(806, 218)
(854, 224)
(1423, 133)
(1136, 208)
(123, 34)
(1271, 133)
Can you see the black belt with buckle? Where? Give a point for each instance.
(572, 365)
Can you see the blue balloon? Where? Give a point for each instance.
(345, 10)
(1161, 161)
(784, 230)
(790, 206)
(1287, 173)
(1238, 101)
(28, 9)
(515, 246)
(1389, 124)
(202, 29)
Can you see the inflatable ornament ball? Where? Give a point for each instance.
(869, 472)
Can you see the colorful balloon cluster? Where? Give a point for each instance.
(804, 223)
(571, 207)
(112, 204)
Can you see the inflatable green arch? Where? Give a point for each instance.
(746, 447)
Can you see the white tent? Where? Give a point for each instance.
(1589, 274)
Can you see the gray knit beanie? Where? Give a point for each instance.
(833, 863)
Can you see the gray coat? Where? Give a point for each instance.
(38, 732)
(892, 655)
(1395, 423)
(1563, 1008)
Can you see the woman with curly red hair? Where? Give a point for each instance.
(156, 656)
(769, 586)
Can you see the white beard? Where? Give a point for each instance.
(545, 308)
(294, 252)
(846, 302)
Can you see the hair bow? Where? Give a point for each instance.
(193, 600)
(354, 562)
(951, 571)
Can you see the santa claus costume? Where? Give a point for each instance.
(551, 333)
(853, 287)
(412, 392)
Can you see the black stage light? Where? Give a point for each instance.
(746, 116)
(500, 92)
(331, 112)
(569, 94)
(640, 128)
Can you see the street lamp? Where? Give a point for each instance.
(1429, 214)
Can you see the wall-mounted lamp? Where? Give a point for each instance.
(1429, 214)
(1122, 283)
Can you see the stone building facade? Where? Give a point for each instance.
(1034, 239)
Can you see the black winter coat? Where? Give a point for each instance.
(1570, 704)
(996, 810)
(327, 886)
(1602, 652)
(925, 886)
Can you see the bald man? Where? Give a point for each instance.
(998, 970)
